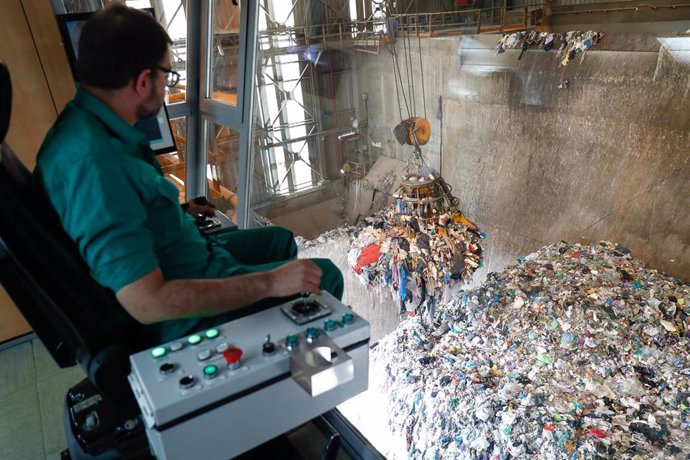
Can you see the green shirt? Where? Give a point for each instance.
(109, 191)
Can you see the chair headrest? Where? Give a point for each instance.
(5, 100)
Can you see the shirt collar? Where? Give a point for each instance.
(99, 109)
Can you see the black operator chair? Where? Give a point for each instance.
(42, 271)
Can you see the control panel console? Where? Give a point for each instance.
(251, 379)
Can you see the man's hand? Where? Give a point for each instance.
(295, 277)
(200, 205)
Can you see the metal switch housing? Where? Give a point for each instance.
(320, 365)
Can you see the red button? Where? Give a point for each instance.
(232, 355)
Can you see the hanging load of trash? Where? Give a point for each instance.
(579, 351)
(421, 246)
(567, 45)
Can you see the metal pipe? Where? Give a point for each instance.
(304, 138)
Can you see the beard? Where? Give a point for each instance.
(151, 106)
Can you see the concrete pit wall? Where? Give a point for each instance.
(606, 158)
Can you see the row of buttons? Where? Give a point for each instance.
(331, 325)
(193, 339)
(292, 341)
(233, 355)
(188, 381)
(211, 334)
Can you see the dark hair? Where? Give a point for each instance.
(116, 44)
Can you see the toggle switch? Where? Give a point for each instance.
(268, 348)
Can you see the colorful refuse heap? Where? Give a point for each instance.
(420, 246)
(578, 352)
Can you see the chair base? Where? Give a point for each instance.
(98, 429)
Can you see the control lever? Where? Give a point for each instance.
(200, 219)
(268, 348)
(200, 200)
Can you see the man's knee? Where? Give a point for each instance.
(286, 238)
(331, 277)
(281, 233)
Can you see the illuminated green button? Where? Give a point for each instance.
(348, 318)
(210, 371)
(212, 333)
(291, 342)
(158, 352)
(312, 333)
(329, 325)
(194, 339)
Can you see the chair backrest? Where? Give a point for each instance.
(5, 100)
(78, 320)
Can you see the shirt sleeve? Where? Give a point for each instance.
(104, 211)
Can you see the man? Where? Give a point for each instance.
(112, 199)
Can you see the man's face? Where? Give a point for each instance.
(154, 102)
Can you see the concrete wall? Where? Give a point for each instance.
(606, 158)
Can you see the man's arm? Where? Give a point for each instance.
(151, 299)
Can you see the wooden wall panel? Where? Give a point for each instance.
(51, 51)
(33, 110)
(12, 323)
(41, 86)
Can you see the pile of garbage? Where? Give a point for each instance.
(419, 247)
(579, 351)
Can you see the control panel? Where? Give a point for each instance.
(312, 351)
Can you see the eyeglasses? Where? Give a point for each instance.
(171, 77)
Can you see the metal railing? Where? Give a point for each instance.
(370, 33)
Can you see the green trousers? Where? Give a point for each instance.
(263, 249)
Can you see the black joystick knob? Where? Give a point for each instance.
(269, 348)
(200, 200)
